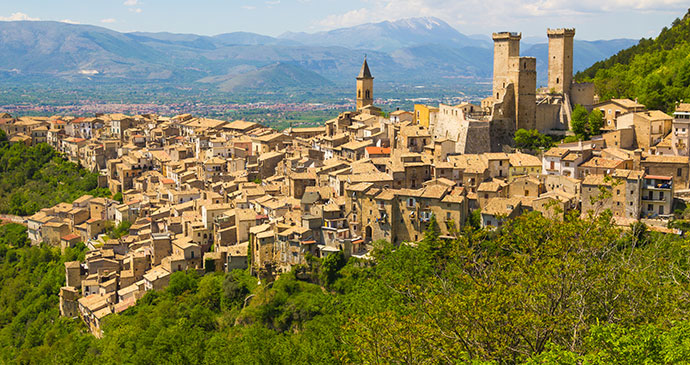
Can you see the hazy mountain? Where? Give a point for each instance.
(423, 51)
(276, 76)
(67, 49)
(389, 36)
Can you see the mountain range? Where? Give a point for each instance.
(410, 51)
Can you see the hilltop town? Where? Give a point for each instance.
(213, 195)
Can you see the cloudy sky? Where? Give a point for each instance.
(594, 19)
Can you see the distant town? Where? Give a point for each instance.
(215, 195)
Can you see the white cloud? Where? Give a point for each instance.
(274, 2)
(131, 2)
(108, 21)
(491, 13)
(17, 16)
(248, 7)
(135, 10)
(69, 21)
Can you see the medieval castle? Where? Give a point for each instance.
(515, 102)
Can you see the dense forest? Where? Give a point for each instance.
(656, 71)
(35, 177)
(572, 291)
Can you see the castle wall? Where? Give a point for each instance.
(582, 93)
(502, 132)
(474, 137)
(470, 136)
(548, 117)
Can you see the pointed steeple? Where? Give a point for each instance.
(364, 73)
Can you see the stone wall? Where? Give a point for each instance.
(502, 131)
(582, 93)
(548, 117)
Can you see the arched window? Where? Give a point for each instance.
(557, 79)
(368, 94)
(359, 93)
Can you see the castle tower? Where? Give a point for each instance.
(560, 59)
(524, 76)
(506, 46)
(365, 87)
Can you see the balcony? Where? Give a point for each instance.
(335, 224)
(656, 199)
(658, 183)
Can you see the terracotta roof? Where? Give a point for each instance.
(373, 150)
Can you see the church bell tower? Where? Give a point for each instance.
(365, 87)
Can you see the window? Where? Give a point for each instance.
(679, 172)
(649, 207)
(447, 216)
(661, 209)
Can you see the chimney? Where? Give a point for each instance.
(637, 159)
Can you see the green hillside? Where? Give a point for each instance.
(656, 71)
(36, 177)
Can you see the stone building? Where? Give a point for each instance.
(680, 140)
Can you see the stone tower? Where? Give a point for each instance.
(524, 76)
(365, 87)
(560, 59)
(506, 46)
(521, 73)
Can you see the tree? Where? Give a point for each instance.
(531, 140)
(475, 219)
(579, 121)
(330, 265)
(596, 122)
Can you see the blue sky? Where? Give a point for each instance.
(594, 19)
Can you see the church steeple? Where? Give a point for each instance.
(364, 73)
(365, 86)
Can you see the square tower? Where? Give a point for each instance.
(365, 87)
(560, 59)
(506, 46)
(524, 75)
